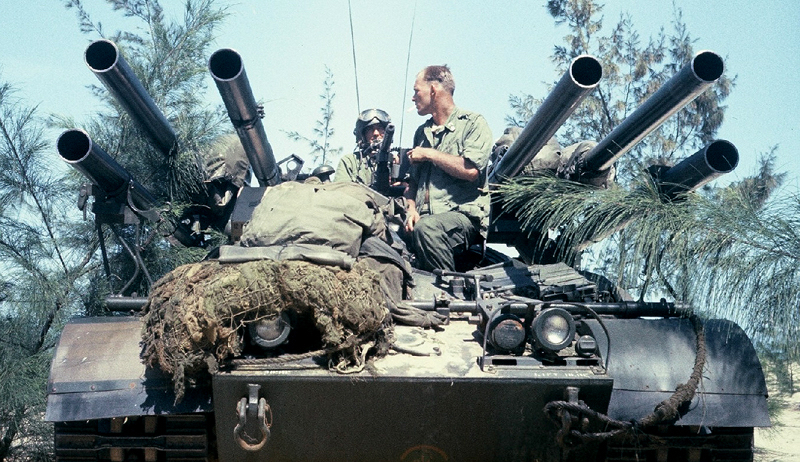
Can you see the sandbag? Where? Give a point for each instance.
(337, 215)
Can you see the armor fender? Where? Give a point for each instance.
(97, 373)
(649, 358)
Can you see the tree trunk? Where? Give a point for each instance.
(8, 438)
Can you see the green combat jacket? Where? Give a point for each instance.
(465, 134)
(355, 168)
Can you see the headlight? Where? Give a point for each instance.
(507, 333)
(270, 332)
(553, 329)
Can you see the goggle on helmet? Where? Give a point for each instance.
(370, 117)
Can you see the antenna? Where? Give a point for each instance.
(355, 67)
(405, 86)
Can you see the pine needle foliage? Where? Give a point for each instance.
(582, 215)
(748, 264)
(321, 150)
(170, 59)
(42, 268)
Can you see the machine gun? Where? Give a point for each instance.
(587, 166)
(384, 160)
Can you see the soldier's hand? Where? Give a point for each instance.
(412, 218)
(419, 154)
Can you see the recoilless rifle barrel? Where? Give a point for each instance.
(582, 77)
(694, 78)
(77, 149)
(704, 69)
(227, 69)
(708, 163)
(106, 62)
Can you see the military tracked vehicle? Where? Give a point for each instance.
(529, 360)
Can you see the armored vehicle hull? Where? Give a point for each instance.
(439, 395)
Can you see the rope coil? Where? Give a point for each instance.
(567, 414)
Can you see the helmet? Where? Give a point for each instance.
(370, 117)
(323, 172)
(510, 134)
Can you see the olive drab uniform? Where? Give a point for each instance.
(454, 213)
(356, 167)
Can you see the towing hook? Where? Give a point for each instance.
(257, 408)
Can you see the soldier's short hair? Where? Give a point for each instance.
(442, 75)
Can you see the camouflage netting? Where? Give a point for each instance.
(193, 312)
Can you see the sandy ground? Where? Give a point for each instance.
(781, 443)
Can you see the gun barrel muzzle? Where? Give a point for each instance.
(694, 78)
(78, 150)
(106, 62)
(227, 69)
(582, 77)
(716, 159)
(388, 137)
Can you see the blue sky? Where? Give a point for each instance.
(495, 49)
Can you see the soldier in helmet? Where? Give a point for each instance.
(359, 166)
